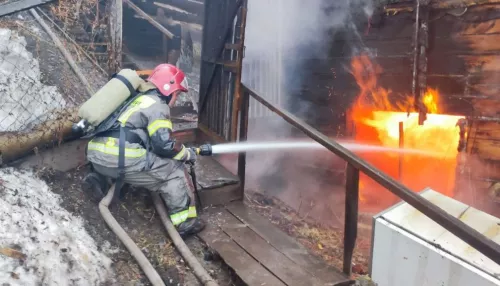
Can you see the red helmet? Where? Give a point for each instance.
(168, 79)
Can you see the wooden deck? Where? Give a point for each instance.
(261, 254)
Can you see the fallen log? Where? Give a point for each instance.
(15, 145)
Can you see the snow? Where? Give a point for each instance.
(58, 249)
(24, 98)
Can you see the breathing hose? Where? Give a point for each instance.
(181, 246)
(144, 263)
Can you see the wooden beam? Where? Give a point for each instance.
(148, 18)
(409, 6)
(18, 6)
(116, 35)
(237, 97)
(178, 14)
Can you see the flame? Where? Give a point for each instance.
(377, 114)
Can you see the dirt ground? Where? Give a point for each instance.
(136, 214)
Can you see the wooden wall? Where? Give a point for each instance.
(463, 64)
(462, 59)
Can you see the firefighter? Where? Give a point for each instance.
(153, 158)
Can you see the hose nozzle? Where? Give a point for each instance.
(204, 150)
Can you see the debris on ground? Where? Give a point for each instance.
(41, 243)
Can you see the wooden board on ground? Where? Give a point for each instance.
(216, 185)
(211, 174)
(236, 229)
(245, 266)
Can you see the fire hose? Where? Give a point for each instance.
(198, 270)
(144, 263)
(153, 276)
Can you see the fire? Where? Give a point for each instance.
(377, 114)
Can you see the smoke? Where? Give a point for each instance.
(282, 37)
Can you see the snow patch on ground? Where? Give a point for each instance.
(25, 100)
(58, 249)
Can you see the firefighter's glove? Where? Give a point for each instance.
(191, 156)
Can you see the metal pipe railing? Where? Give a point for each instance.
(355, 164)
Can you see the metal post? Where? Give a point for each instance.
(351, 216)
(420, 43)
(401, 146)
(242, 157)
(237, 86)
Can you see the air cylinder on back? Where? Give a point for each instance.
(107, 99)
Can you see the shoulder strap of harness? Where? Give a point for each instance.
(120, 178)
(123, 138)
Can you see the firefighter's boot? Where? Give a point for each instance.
(94, 186)
(190, 226)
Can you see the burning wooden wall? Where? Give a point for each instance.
(461, 80)
(463, 49)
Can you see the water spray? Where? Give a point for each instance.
(208, 150)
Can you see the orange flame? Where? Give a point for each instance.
(376, 115)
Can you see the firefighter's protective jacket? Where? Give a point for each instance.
(149, 117)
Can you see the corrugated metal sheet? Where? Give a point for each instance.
(263, 63)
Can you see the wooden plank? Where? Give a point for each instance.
(18, 6)
(454, 26)
(486, 149)
(245, 266)
(285, 244)
(466, 44)
(483, 63)
(280, 265)
(487, 107)
(491, 90)
(486, 130)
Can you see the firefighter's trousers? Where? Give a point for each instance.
(166, 176)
